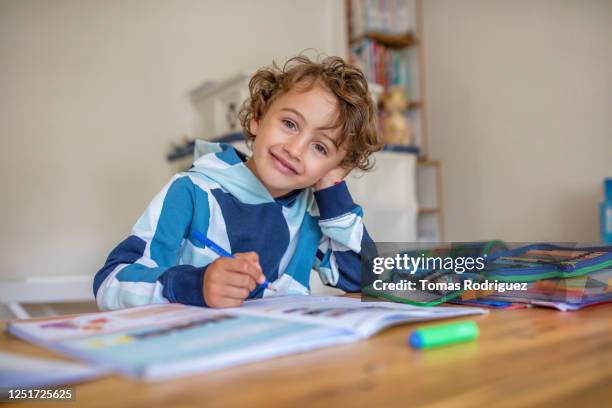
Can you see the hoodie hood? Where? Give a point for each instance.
(223, 164)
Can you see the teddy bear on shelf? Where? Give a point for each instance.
(395, 127)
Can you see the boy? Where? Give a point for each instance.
(281, 212)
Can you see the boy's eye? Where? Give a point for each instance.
(289, 124)
(321, 148)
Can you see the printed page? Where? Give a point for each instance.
(93, 324)
(362, 318)
(163, 341)
(209, 342)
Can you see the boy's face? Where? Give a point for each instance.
(294, 147)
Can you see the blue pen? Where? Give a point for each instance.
(222, 252)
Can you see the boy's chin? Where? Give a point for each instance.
(285, 188)
(275, 182)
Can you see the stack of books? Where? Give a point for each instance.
(563, 294)
(562, 277)
(389, 16)
(381, 65)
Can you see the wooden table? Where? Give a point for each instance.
(531, 357)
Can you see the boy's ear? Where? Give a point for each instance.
(253, 126)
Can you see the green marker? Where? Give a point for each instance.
(443, 334)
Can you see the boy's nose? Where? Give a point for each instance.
(295, 148)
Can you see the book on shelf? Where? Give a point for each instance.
(384, 16)
(381, 65)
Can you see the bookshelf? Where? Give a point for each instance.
(390, 40)
(430, 220)
(385, 40)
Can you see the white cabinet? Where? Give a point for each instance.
(430, 225)
(387, 195)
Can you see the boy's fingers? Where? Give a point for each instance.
(244, 266)
(249, 256)
(239, 280)
(228, 302)
(234, 292)
(248, 263)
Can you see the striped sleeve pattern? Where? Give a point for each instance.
(343, 235)
(143, 268)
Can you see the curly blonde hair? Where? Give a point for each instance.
(356, 112)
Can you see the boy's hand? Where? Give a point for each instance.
(334, 175)
(228, 281)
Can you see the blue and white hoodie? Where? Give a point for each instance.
(221, 198)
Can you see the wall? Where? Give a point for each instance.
(93, 92)
(520, 108)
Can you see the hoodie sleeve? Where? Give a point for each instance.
(343, 236)
(143, 268)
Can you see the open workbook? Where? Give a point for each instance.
(167, 340)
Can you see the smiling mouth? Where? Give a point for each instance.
(283, 166)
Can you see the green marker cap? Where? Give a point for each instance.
(443, 334)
